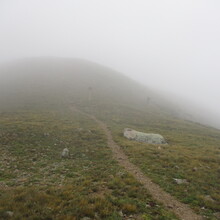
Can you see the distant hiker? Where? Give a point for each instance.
(148, 100)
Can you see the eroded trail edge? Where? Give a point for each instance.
(181, 210)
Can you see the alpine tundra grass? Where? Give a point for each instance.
(36, 183)
(192, 154)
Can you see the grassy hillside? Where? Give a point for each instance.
(36, 183)
(192, 153)
(36, 123)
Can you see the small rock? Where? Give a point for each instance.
(180, 181)
(159, 148)
(85, 218)
(96, 216)
(209, 198)
(195, 169)
(217, 215)
(65, 153)
(120, 174)
(9, 213)
(121, 213)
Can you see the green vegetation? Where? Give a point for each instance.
(193, 153)
(36, 183)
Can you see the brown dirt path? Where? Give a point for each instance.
(181, 210)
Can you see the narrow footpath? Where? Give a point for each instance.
(181, 210)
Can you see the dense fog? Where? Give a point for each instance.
(171, 46)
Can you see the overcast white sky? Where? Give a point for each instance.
(172, 45)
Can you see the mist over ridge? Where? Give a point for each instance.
(34, 81)
(66, 78)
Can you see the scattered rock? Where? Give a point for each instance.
(96, 216)
(195, 169)
(144, 137)
(9, 213)
(65, 153)
(46, 134)
(180, 181)
(217, 215)
(209, 198)
(120, 174)
(80, 129)
(121, 213)
(85, 218)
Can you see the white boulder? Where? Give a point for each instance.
(180, 181)
(144, 137)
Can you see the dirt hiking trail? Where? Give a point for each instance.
(181, 210)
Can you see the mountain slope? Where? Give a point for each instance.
(43, 81)
(67, 79)
(36, 124)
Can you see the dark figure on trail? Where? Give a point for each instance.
(90, 93)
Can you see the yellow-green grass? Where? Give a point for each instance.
(36, 183)
(192, 153)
